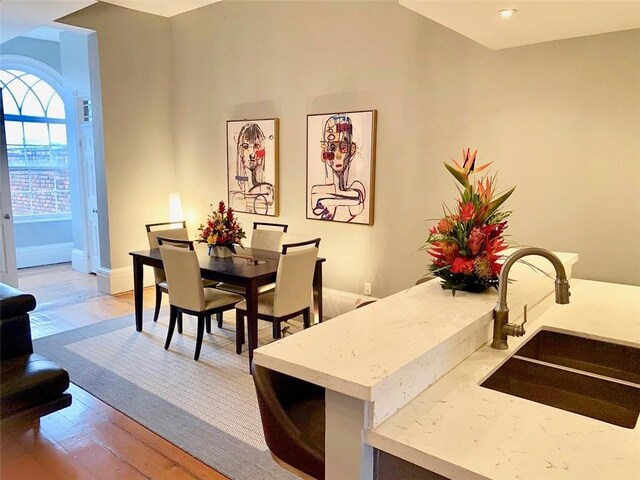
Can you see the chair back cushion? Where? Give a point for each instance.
(183, 277)
(177, 233)
(294, 280)
(267, 239)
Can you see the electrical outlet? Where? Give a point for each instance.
(367, 288)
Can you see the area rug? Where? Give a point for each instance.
(207, 408)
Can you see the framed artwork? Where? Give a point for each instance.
(341, 150)
(252, 166)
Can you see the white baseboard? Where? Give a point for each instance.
(337, 302)
(80, 261)
(43, 254)
(118, 280)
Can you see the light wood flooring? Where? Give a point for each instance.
(89, 439)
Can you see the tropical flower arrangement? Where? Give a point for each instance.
(221, 229)
(466, 243)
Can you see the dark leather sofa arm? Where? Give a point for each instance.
(15, 328)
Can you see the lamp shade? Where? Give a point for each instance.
(175, 207)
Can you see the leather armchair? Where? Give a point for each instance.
(30, 385)
(293, 420)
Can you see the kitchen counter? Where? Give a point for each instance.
(463, 431)
(374, 361)
(390, 351)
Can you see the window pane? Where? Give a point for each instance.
(29, 79)
(56, 107)
(42, 180)
(43, 203)
(10, 106)
(58, 133)
(14, 133)
(19, 90)
(38, 156)
(64, 202)
(6, 76)
(21, 203)
(19, 180)
(59, 157)
(16, 157)
(44, 91)
(32, 105)
(36, 134)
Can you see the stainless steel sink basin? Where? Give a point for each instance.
(589, 377)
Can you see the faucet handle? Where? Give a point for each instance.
(516, 330)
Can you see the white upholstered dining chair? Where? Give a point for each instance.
(186, 292)
(291, 296)
(175, 230)
(269, 238)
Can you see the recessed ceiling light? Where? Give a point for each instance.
(507, 12)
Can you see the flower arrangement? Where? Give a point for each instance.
(466, 242)
(221, 229)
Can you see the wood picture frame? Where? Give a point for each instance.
(341, 152)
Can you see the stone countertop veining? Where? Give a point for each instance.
(463, 431)
(388, 352)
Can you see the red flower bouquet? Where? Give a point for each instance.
(466, 243)
(222, 229)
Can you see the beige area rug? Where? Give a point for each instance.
(208, 408)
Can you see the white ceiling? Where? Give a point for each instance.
(536, 21)
(17, 17)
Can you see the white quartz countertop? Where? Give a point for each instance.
(390, 351)
(463, 431)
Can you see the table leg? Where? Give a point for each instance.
(252, 319)
(138, 273)
(317, 293)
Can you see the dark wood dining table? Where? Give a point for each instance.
(249, 268)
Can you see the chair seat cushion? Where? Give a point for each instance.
(227, 287)
(30, 380)
(214, 298)
(265, 304)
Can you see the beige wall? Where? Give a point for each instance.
(560, 120)
(135, 74)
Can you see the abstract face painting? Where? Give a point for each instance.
(252, 166)
(340, 166)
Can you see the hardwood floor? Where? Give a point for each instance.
(89, 439)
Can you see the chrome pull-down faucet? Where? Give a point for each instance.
(501, 326)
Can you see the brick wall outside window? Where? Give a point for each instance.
(39, 192)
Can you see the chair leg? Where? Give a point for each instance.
(208, 323)
(172, 324)
(219, 319)
(200, 336)
(180, 323)
(277, 333)
(306, 317)
(156, 313)
(239, 331)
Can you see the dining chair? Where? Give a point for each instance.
(167, 230)
(186, 292)
(291, 296)
(292, 412)
(269, 238)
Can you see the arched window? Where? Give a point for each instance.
(36, 145)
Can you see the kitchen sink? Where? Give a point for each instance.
(594, 378)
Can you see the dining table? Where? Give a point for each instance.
(249, 268)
